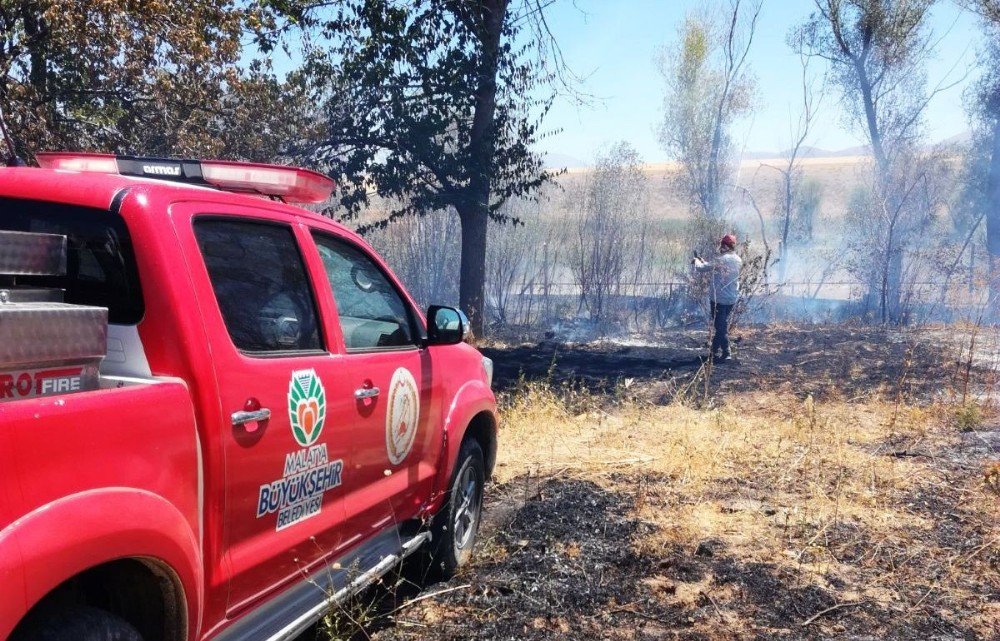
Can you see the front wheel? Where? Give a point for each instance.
(456, 526)
(77, 624)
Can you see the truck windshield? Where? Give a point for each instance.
(100, 262)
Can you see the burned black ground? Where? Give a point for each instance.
(819, 360)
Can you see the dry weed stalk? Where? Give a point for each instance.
(992, 478)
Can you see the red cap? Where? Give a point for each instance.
(728, 241)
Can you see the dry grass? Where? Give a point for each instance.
(778, 513)
(774, 479)
(832, 495)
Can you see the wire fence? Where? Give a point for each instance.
(672, 302)
(830, 290)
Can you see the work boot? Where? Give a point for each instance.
(727, 356)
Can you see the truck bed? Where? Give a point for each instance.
(137, 439)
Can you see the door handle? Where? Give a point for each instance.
(243, 417)
(363, 393)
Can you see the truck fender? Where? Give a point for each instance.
(472, 399)
(62, 539)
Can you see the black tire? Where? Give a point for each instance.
(77, 624)
(456, 526)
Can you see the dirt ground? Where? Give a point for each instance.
(829, 484)
(839, 361)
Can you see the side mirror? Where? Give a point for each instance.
(446, 325)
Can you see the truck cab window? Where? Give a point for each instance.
(100, 261)
(372, 313)
(261, 285)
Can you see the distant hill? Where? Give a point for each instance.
(560, 161)
(565, 161)
(860, 150)
(963, 138)
(809, 152)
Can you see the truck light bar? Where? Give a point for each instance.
(291, 184)
(101, 163)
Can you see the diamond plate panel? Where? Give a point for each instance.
(29, 254)
(35, 333)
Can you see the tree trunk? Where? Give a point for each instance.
(894, 288)
(871, 119)
(474, 210)
(892, 260)
(993, 221)
(892, 278)
(38, 72)
(787, 223)
(713, 197)
(472, 284)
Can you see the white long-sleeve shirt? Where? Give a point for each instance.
(725, 286)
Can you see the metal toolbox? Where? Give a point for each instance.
(30, 254)
(46, 346)
(50, 348)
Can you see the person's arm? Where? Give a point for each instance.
(701, 265)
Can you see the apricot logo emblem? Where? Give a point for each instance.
(402, 416)
(306, 406)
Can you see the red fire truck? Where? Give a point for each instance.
(220, 414)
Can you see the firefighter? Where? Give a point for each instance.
(723, 293)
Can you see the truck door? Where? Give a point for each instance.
(386, 391)
(285, 451)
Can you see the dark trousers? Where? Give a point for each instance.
(720, 320)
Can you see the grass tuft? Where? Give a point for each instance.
(968, 417)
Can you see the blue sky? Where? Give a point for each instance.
(613, 45)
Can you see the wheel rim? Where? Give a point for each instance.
(467, 512)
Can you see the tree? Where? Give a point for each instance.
(877, 51)
(708, 87)
(131, 77)
(807, 200)
(611, 229)
(522, 262)
(985, 109)
(429, 276)
(431, 103)
(924, 185)
(988, 10)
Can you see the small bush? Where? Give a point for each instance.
(968, 417)
(992, 478)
